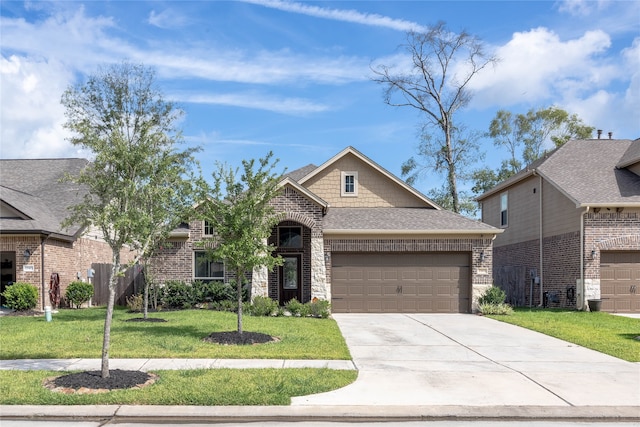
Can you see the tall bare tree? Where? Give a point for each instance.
(138, 182)
(437, 84)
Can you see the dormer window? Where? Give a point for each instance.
(349, 186)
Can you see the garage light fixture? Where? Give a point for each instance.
(482, 256)
(27, 255)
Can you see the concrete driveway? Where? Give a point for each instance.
(463, 359)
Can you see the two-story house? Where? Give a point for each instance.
(571, 223)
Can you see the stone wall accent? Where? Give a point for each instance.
(319, 287)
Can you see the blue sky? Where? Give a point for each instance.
(295, 77)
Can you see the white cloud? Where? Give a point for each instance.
(341, 15)
(292, 106)
(581, 7)
(536, 66)
(167, 19)
(31, 115)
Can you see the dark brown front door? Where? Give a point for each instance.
(290, 278)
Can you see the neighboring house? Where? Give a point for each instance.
(33, 204)
(354, 234)
(571, 224)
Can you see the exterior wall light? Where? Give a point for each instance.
(482, 256)
(593, 253)
(27, 255)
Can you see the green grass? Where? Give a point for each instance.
(604, 332)
(78, 334)
(213, 387)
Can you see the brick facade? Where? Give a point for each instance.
(68, 259)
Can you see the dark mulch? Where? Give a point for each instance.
(148, 319)
(92, 381)
(235, 338)
(23, 313)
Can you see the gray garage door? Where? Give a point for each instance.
(620, 281)
(400, 283)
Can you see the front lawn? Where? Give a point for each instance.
(604, 332)
(78, 334)
(210, 387)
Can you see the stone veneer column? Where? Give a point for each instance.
(319, 286)
(260, 282)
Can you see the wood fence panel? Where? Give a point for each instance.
(131, 283)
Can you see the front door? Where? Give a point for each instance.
(290, 278)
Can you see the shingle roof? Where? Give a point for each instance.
(297, 174)
(33, 187)
(585, 170)
(588, 172)
(389, 220)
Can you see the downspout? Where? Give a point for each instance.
(541, 249)
(582, 287)
(42, 240)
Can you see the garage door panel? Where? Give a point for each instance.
(620, 281)
(425, 282)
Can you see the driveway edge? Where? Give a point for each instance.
(199, 414)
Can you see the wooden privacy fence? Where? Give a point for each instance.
(130, 284)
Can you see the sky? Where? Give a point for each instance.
(295, 78)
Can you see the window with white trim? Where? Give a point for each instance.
(207, 228)
(349, 184)
(504, 209)
(206, 270)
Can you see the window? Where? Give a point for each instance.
(290, 237)
(349, 186)
(206, 270)
(208, 228)
(504, 204)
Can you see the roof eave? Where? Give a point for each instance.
(361, 231)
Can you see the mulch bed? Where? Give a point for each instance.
(18, 313)
(91, 382)
(235, 338)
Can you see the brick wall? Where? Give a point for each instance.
(65, 258)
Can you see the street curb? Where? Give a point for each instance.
(245, 414)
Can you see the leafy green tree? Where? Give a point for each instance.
(524, 136)
(442, 65)
(240, 213)
(138, 181)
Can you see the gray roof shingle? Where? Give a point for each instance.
(401, 220)
(34, 187)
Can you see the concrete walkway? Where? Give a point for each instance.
(411, 367)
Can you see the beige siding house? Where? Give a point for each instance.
(571, 225)
(354, 234)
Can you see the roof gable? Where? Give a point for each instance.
(377, 181)
(587, 172)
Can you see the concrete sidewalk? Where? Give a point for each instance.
(168, 364)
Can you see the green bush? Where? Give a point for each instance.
(499, 309)
(296, 308)
(211, 292)
(78, 293)
(135, 303)
(493, 295)
(263, 306)
(319, 308)
(21, 296)
(225, 305)
(177, 294)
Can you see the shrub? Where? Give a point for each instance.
(135, 303)
(499, 309)
(295, 307)
(263, 306)
(212, 291)
(78, 293)
(319, 308)
(225, 305)
(21, 296)
(177, 294)
(493, 295)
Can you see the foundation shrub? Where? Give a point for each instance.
(21, 296)
(78, 293)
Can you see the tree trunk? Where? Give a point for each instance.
(451, 171)
(107, 321)
(145, 302)
(239, 285)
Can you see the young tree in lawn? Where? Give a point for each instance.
(436, 84)
(238, 209)
(137, 184)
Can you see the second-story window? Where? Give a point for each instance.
(208, 228)
(349, 186)
(504, 209)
